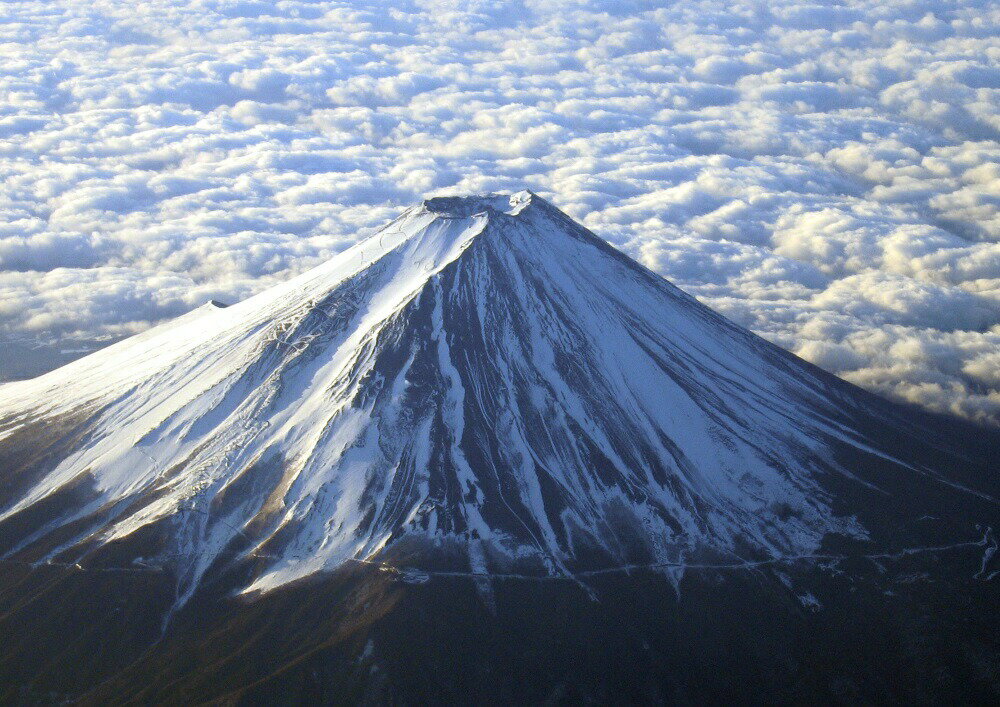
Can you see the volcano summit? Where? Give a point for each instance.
(482, 455)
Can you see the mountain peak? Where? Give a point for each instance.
(468, 205)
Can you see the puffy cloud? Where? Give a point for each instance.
(827, 174)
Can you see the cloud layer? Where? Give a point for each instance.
(826, 174)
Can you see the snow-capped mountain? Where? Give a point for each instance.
(482, 389)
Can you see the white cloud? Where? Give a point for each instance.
(827, 174)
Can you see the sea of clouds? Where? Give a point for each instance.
(827, 175)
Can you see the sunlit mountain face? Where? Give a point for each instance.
(482, 455)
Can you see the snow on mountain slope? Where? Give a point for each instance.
(482, 376)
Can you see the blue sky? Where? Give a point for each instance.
(826, 175)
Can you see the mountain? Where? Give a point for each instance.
(482, 455)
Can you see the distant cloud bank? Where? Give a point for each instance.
(827, 175)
